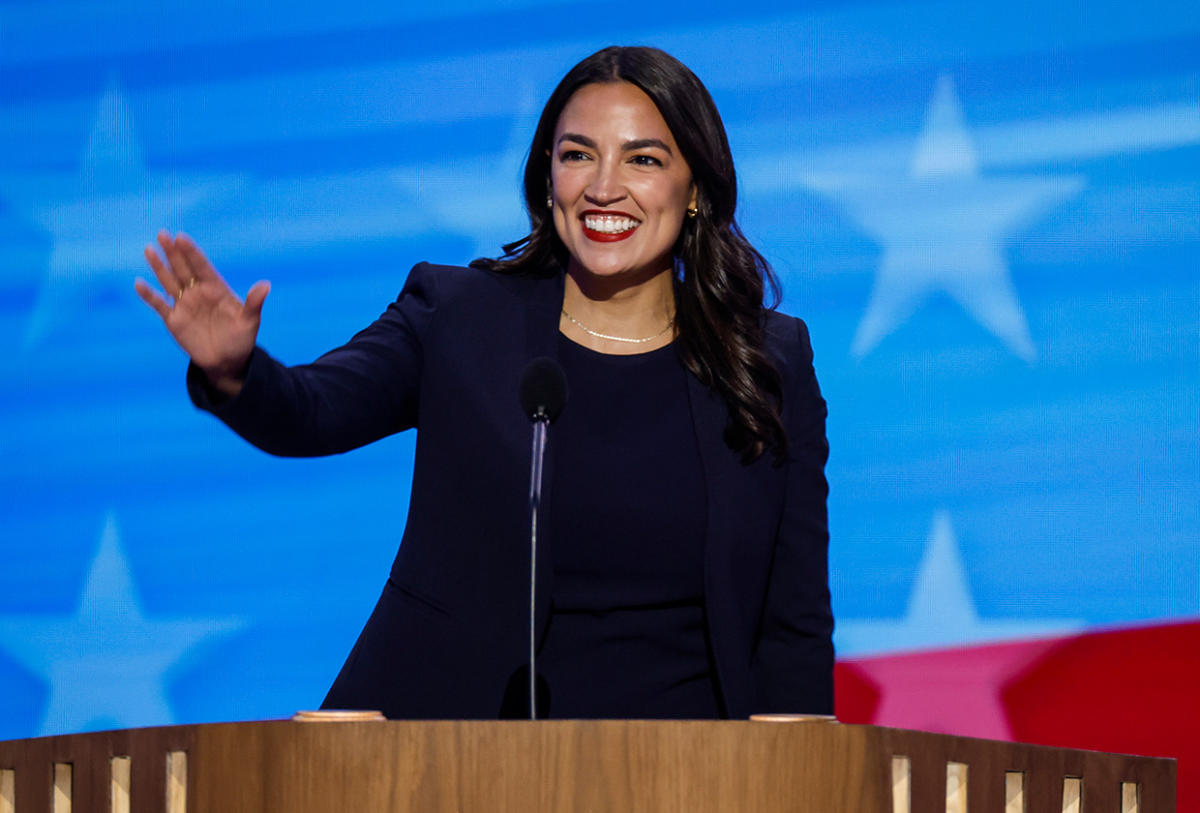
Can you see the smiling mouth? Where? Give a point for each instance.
(606, 228)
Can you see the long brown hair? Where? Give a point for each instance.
(720, 277)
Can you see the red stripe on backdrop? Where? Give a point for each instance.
(1131, 691)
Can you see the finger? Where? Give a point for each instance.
(197, 262)
(151, 298)
(163, 274)
(167, 244)
(176, 259)
(255, 298)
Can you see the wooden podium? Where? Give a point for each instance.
(566, 767)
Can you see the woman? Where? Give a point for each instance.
(685, 569)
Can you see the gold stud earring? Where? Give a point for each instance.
(692, 211)
(549, 201)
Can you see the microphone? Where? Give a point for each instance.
(543, 394)
(543, 389)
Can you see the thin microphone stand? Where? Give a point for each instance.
(540, 421)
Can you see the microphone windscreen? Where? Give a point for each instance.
(543, 389)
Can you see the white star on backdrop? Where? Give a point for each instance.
(107, 662)
(100, 218)
(942, 229)
(489, 187)
(940, 611)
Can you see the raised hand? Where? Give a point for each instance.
(208, 320)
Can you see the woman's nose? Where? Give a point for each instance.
(605, 186)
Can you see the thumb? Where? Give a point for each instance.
(255, 298)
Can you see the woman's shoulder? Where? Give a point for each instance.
(787, 336)
(456, 283)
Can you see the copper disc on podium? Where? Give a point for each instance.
(793, 718)
(337, 716)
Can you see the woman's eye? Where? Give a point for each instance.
(647, 161)
(573, 155)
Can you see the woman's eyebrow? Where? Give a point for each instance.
(578, 139)
(643, 143)
(635, 144)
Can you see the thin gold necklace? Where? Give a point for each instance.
(599, 335)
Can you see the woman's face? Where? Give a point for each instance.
(619, 184)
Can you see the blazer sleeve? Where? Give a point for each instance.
(357, 393)
(793, 661)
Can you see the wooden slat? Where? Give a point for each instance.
(121, 772)
(956, 787)
(901, 784)
(63, 787)
(8, 790)
(1130, 797)
(1072, 795)
(177, 779)
(1014, 792)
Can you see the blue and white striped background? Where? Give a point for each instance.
(989, 214)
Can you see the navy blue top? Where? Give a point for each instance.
(627, 634)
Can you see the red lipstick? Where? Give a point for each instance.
(603, 236)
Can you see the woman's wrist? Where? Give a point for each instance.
(227, 379)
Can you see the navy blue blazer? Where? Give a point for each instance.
(451, 627)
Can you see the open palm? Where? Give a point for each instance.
(208, 320)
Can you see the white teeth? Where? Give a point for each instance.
(610, 224)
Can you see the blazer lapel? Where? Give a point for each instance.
(721, 475)
(542, 316)
(742, 508)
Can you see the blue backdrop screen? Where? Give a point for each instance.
(989, 215)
